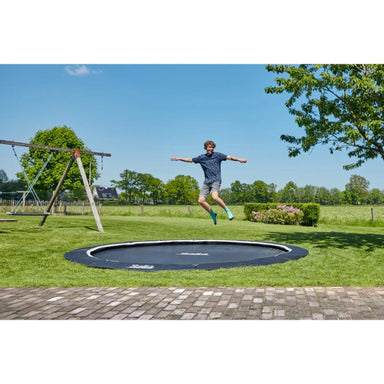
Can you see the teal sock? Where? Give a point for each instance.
(213, 215)
(229, 213)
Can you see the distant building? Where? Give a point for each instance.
(102, 193)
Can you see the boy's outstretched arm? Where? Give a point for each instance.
(236, 159)
(187, 160)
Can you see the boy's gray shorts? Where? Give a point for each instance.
(206, 189)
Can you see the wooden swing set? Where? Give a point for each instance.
(75, 156)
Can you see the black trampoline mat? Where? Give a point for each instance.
(184, 254)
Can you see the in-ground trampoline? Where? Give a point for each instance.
(184, 254)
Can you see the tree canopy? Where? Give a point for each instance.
(141, 186)
(339, 105)
(182, 190)
(128, 183)
(3, 176)
(33, 160)
(356, 191)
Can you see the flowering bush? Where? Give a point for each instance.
(311, 211)
(283, 214)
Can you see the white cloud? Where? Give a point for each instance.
(79, 70)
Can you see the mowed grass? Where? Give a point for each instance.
(339, 254)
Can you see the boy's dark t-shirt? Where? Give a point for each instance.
(211, 166)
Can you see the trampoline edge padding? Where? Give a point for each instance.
(161, 255)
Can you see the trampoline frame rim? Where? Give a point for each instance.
(160, 242)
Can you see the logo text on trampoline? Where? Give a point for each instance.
(141, 266)
(193, 254)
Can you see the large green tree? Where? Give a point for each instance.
(128, 183)
(263, 192)
(33, 160)
(156, 189)
(149, 187)
(289, 194)
(182, 190)
(356, 191)
(340, 105)
(241, 191)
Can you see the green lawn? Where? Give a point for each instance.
(338, 254)
(353, 215)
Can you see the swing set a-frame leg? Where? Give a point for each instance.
(57, 190)
(76, 155)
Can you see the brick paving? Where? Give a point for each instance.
(192, 303)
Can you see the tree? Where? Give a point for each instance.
(3, 180)
(7, 185)
(241, 191)
(356, 190)
(3, 177)
(262, 192)
(323, 196)
(147, 184)
(336, 196)
(306, 194)
(341, 106)
(156, 189)
(182, 190)
(33, 160)
(289, 193)
(375, 196)
(128, 183)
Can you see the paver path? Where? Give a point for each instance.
(192, 303)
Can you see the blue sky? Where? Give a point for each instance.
(145, 114)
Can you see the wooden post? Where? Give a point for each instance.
(23, 209)
(373, 214)
(56, 191)
(76, 154)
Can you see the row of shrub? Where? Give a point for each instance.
(295, 213)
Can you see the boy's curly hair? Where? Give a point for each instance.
(209, 142)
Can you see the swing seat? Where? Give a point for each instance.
(28, 213)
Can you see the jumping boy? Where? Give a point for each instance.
(211, 164)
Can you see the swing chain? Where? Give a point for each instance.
(30, 185)
(101, 172)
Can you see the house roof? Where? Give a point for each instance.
(106, 193)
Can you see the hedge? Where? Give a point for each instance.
(311, 211)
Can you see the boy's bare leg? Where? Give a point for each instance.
(203, 202)
(219, 201)
(207, 207)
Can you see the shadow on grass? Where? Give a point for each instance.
(324, 240)
(47, 228)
